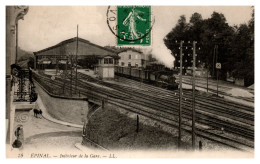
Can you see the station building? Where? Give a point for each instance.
(132, 58)
(89, 55)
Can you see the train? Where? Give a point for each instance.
(161, 78)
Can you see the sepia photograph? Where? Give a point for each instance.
(129, 81)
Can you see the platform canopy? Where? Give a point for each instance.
(44, 61)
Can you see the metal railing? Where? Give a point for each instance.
(24, 89)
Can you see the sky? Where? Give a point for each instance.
(45, 26)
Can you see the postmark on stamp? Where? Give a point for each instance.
(131, 25)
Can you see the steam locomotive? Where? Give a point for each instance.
(160, 78)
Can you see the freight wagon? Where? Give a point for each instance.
(164, 79)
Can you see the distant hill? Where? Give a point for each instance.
(24, 57)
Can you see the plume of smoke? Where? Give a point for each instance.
(161, 53)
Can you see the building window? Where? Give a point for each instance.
(129, 57)
(142, 62)
(106, 61)
(110, 60)
(136, 64)
(122, 64)
(129, 64)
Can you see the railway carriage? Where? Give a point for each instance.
(135, 73)
(164, 79)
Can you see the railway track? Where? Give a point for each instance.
(158, 111)
(229, 124)
(221, 100)
(216, 137)
(247, 117)
(202, 101)
(158, 90)
(203, 84)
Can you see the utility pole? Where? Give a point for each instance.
(71, 76)
(193, 94)
(207, 79)
(217, 82)
(137, 124)
(180, 96)
(214, 56)
(76, 62)
(217, 68)
(16, 52)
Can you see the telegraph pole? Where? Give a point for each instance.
(214, 56)
(16, 47)
(207, 79)
(217, 82)
(71, 76)
(193, 94)
(180, 96)
(217, 68)
(77, 61)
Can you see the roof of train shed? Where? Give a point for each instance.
(100, 51)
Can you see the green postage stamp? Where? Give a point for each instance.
(133, 25)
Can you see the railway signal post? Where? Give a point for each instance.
(193, 91)
(193, 94)
(218, 66)
(180, 96)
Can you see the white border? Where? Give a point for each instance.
(3, 3)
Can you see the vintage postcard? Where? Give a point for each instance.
(130, 81)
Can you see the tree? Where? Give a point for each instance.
(216, 32)
(179, 32)
(195, 18)
(243, 52)
(208, 33)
